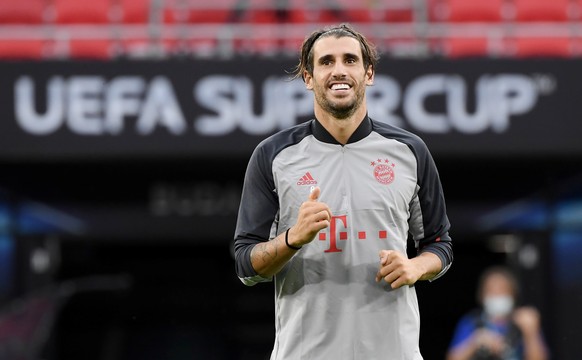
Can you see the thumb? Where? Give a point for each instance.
(314, 194)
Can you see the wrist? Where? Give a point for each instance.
(289, 245)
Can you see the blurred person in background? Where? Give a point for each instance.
(326, 211)
(498, 330)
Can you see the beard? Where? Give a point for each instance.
(340, 110)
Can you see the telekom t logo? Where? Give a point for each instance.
(343, 235)
(335, 235)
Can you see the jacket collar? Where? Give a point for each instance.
(321, 134)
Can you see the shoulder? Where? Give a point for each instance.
(279, 141)
(413, 141)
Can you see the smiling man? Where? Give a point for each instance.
(326, 211)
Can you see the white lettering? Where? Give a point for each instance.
(243, 100)
(292, 103)
(432, 103)
(497, 98)
(25, 106)
(511, 95)
(232, 99)
(215, 94)
(383, 100)
(89, 105)
(122, 99)
(85, 106)
(161, 108)
(457, 100)
(414, 104)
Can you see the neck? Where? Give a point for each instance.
(341, 129)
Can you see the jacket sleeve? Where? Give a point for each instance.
(257, 212)
(428, 222)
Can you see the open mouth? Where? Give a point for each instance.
(340, 87)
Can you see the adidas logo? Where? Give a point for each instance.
(307, 179)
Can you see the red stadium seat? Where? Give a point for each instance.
(145, 47)
(259, 16)
(541, 10)
(201, 47)
(466, 10)
(397, 15)
(22, 12)
(576, 10)
(219, 12)
(292, 45)
(387, 12)
(202, 16)
(461, 47)
(76, 11)
(260, 42)
(296, 16)
(134, 11)
(98, 49)
(354, 11)
(315, 16)
(22, 49)
(540, 47)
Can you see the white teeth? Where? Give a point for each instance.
(340, 87)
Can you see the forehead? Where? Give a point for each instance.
(497, 284)
(331, 45)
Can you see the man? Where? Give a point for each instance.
(326, 210)
(498, 331)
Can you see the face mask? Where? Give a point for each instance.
(498, 306)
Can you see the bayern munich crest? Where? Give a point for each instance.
(383, 171)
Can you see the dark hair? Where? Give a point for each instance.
(501, 271)
(369, 53)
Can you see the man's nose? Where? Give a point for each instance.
(339, 69)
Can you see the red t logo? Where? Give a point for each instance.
(333, 233)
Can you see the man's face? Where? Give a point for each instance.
(497, 285)
(339, 79)
(498, 297)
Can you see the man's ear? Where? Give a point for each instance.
(370, 75)
(308, 79)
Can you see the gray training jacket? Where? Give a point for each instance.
(381, 186)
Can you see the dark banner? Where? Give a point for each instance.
(493, 108)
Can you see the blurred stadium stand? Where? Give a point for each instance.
(109, 29)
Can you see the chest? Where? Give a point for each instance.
(377, 174)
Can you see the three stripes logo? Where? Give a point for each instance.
(307, 179)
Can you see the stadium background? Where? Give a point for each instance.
(126, 126)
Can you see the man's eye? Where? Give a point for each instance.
(351, 61)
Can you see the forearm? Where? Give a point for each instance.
(268, 258)
(429, 265)
(534, 347)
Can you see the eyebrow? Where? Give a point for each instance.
(345, 56)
